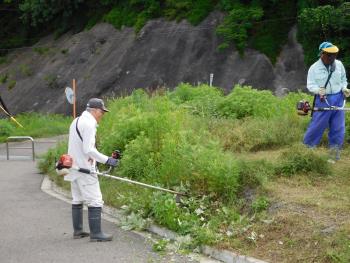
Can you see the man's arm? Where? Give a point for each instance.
(89, 147)
(344, 81)
(312, 86)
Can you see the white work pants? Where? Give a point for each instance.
(86, 189)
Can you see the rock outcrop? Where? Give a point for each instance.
(108, 62)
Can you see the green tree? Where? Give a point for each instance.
(37, 12)
(236, 25)
(325, 23)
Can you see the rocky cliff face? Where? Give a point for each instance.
(107, 62)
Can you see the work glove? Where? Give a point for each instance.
(346, 92)
(322, 91)
(112, 162)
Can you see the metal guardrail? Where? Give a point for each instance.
(14, 138)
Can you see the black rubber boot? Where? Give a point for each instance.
(77, 216)
(95, 226)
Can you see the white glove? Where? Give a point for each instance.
(322, 91)
(346, 92)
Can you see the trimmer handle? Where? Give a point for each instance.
(116, 154)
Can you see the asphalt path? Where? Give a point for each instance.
(36, 227)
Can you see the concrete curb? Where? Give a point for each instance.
(114, 215)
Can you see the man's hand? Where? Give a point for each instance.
(112, 162)
(346, 92)
(322, 91)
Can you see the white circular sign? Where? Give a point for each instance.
(69, 95)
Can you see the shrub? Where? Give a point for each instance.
(201, 100)
(47, 164)
(51, 81)
(6, 129)
(26, 70)
(167, 146)
(3, 78)
(165, 211)
(11, 84)
(260, 204)
(185, 92)
(254, 173)
(244, 102)
(300, 159)
(252, 134)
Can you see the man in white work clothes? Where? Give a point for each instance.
(86, 187)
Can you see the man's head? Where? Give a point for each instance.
(328, 52)
(97, 108)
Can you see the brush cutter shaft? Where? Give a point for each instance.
(87, 171)
(139, 183)
(304, 107)
(331, 109)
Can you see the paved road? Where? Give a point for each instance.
(36, 227)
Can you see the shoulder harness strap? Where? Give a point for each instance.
(78, 132)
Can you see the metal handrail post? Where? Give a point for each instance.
(7, 150)
(33, 152)
(19, 137)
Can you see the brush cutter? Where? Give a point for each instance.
(304, 107)
(11, 117)
(64, 165)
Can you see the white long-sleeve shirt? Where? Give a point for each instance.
(84, 152)
(318, 74)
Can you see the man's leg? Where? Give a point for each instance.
(77, 212)
(317, 126)
(92, 195)
(336, 133)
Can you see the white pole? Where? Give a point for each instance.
(211, 79)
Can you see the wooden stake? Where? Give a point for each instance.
(74, 100)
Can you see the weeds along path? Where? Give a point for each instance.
(308, 218)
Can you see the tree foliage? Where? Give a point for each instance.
(236, 24)
(259, 24)
(325, 23)
(36, 12)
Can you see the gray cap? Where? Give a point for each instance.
(96, 103)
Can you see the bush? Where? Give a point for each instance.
(201, 100)
(11, 84)
(261, 134)
(260, 204)
(244, 102)
(165, 211)
(254, 173)
(6, 129)
(3, 78)
(300, 159)
(47, 164)
(165, 145)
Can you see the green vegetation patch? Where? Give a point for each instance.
(35, 125)
(210, 146)
(326, 22)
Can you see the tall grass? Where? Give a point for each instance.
(190, 139)
(35, 125)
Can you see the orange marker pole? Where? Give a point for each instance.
(74, 100)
